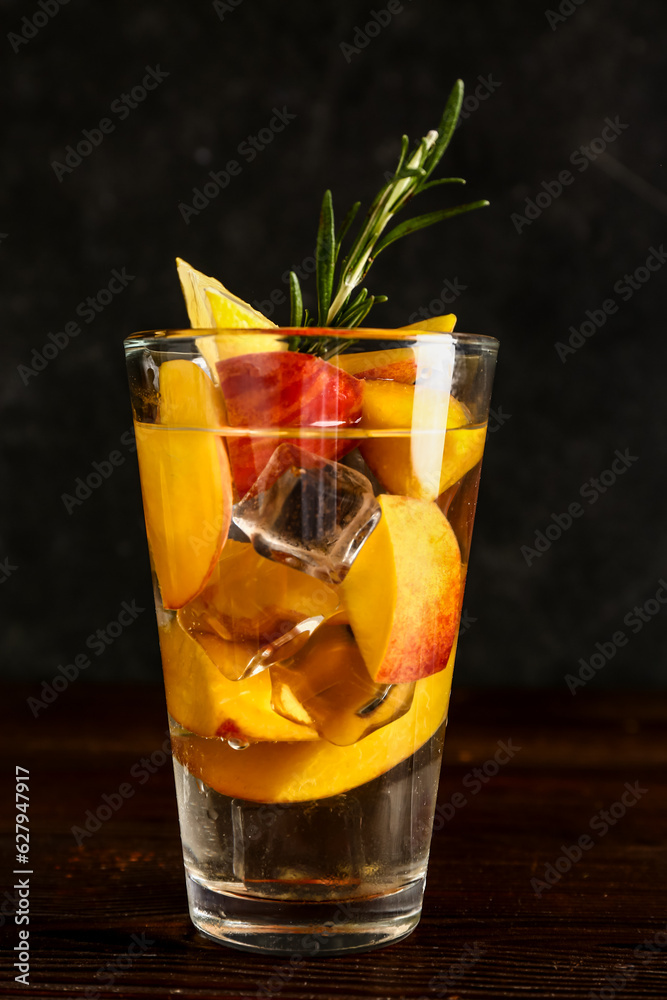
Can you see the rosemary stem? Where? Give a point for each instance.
(380, 214)
(337, 306)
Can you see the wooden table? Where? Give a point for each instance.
(118, 899)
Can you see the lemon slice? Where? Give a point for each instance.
(436, 324)
(210, 304)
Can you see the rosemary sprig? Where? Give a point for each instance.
(336, 305)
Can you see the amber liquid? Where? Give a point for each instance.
(363, 844)
(211, 759)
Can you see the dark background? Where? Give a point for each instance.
(558, 424)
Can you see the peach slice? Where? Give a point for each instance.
(300, 771)
(396, 363)
(185, 482)
(273, 391)
(416, 463)
(188, 397)
(403, 592)
(203, 700)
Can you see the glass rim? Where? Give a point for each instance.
(441, 337)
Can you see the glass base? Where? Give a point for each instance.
(305, 929)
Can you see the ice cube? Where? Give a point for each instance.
(297, 851)
(234, 660)
(232, 643)
(255, 611)
(327, 685)
(286, 645)
(308, 513)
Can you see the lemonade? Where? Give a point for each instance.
(309, 495)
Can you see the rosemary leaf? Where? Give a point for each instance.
(351, 307)
(325, 257)
(296, 300)
(443, 180)
(406, 172)
(422, 221)
(358, 315)
(446, 127)
(405, 146)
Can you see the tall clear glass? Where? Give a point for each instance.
(309, 506)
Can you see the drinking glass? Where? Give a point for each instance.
(309, 498)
